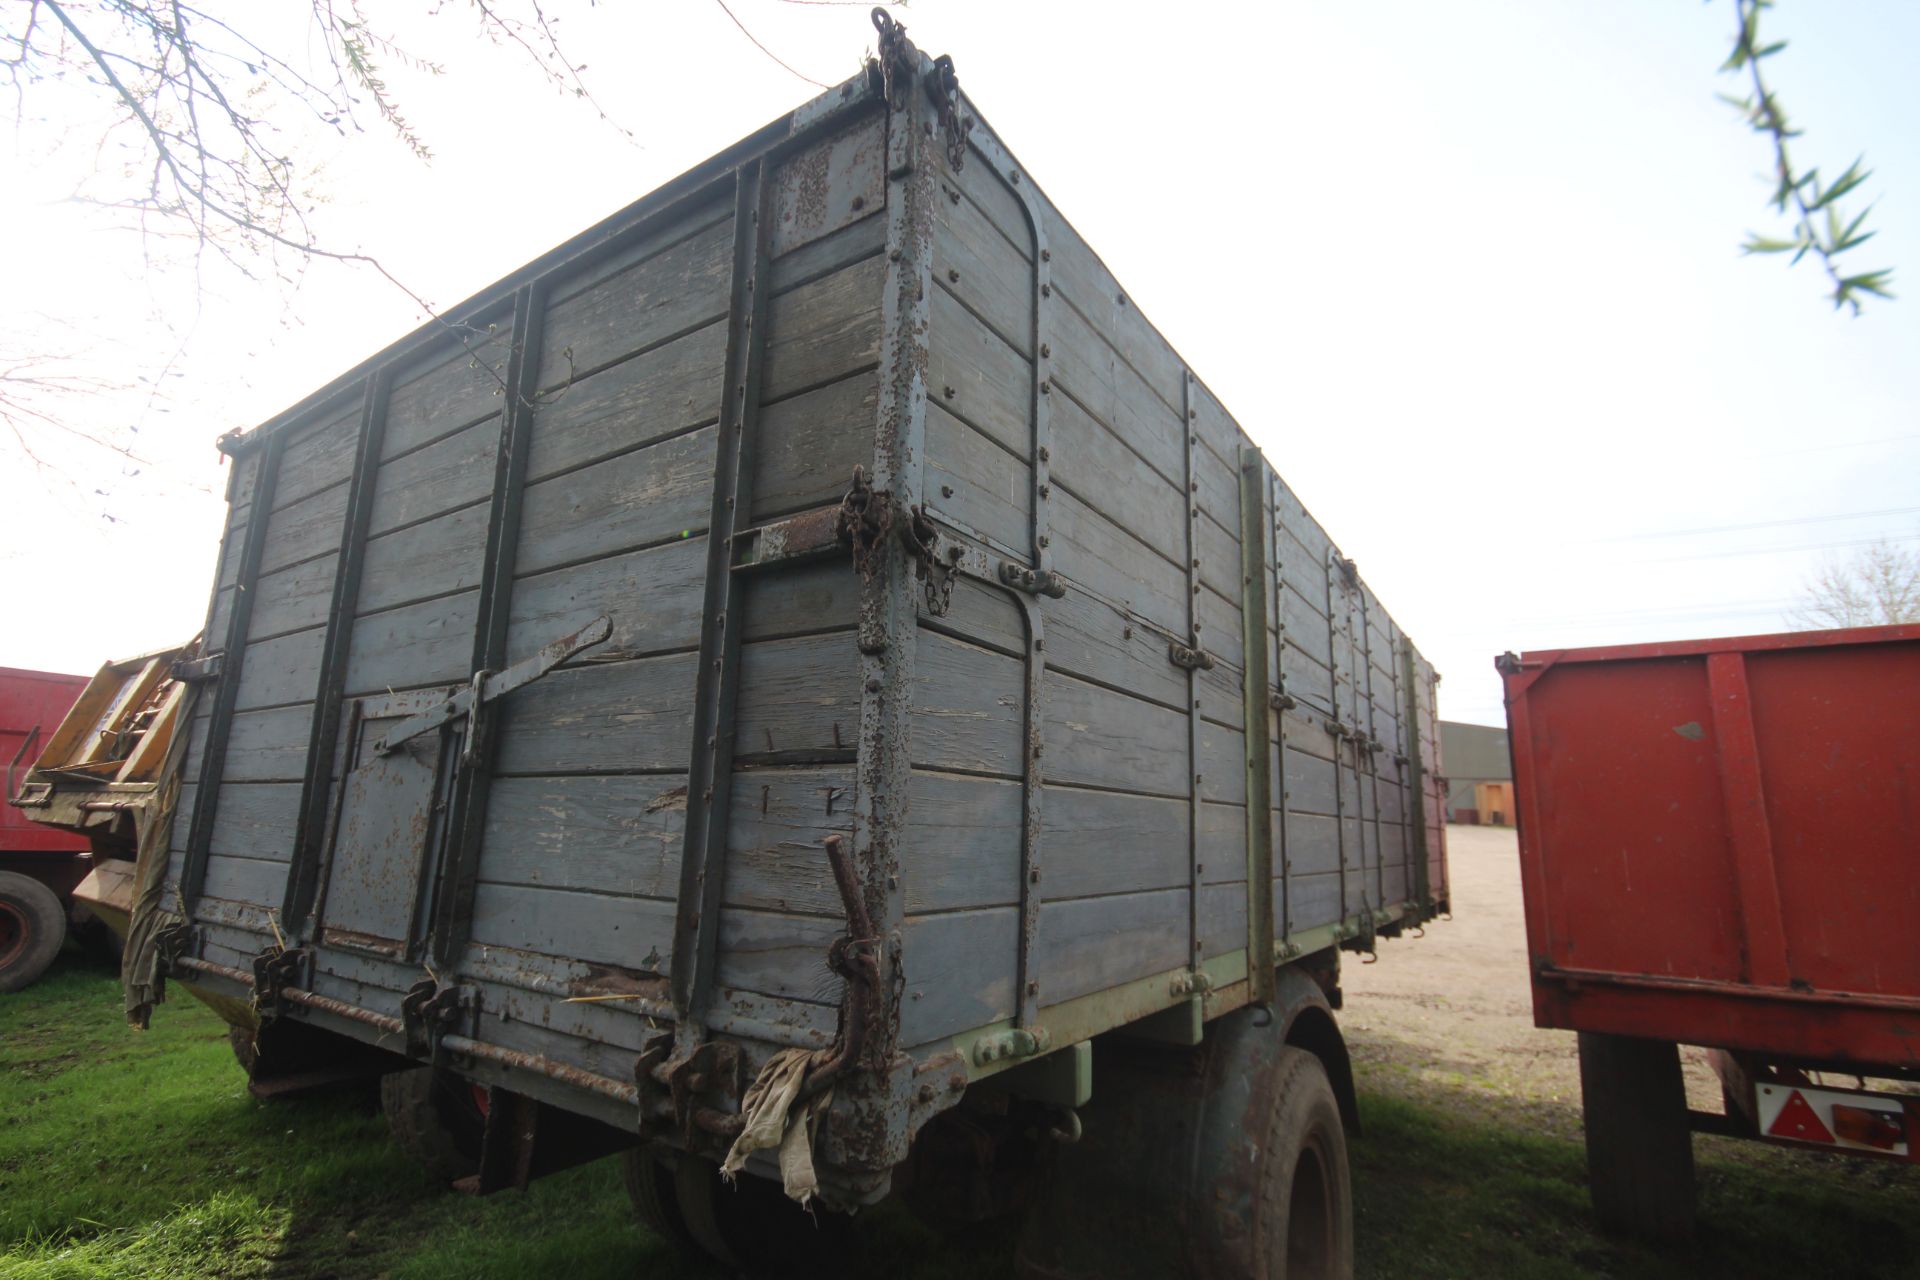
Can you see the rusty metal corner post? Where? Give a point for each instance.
(213, 759)
(1258, 694)
(888, 614)
(696, 934)
(1416, 781)
(467, 805)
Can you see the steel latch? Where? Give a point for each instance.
(1192, 658)
(489, 685)
(429, 1011)
(274, 970)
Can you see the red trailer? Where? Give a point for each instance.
(1720, 846)
(39, 866)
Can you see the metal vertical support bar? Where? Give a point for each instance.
(717, 685)
(1283, 852)
(888, 623)
(467, 806)
(213, 760)
(1416, 779)
(1750, 834)
(1027, 1011)
(304, 870)
(1258, 689)
(1339, 740)
(1369, 751)
(1190, 431)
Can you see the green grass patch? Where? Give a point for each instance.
(126, 1154)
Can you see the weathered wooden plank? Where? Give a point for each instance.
(806, 446)
(449, 473)
(1079, 274)
(974, 374)
(679, 288)
(1307, 679)
(1086, 638)
(256, 820)
(823, 330)
(1219, 561)
(969, 707)
(612, 718)
(458, 384)
(1220, 630)
(1093, 550)
(825, 256)
(974, 262)
(435, 558)
(779, 953)
(1111, 478)
(237, 879)
(1090, 944)
(963, 843)
(992, 200)
(1092, 372)
(631, 500)
(779, 821)
(1098, 737)
(618, 835)
(634, 933)
(821, 595)
(1222, 439)
(293, 598)
(661, 393)
(304, 529)
(417, 644)
(648, 244)
(1104, 842)
(1219, 687)
(835, 182)
(798, 695)
(1219, 492)
(281, 670)
(959, 970)
(1309, 782)
(975, 483)
(1313, 844)
(262, 746)
(317, 457)
(1306, 626)
(1223, 918)
(1223, 764)
(1314, 901)
(652, 596)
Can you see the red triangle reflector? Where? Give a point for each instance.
(1798, 1120)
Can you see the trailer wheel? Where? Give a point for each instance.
(1639, 1143)
(750, 1224)
(649, 1182)
(435, 1118)
(1305, 1190)
(32, 927)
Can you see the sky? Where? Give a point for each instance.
(1467, 272)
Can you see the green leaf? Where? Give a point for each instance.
(1873, 282)
(1770, 50)
(1847, 181)
(1757, 243)
(1851, 237)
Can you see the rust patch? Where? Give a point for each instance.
(612, 980)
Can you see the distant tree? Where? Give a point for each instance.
(1879, 586)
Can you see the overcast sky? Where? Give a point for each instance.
(1468, 272)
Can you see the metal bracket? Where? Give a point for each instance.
(1279, 699)
(1037, 582)
(178, 939)
(486, 686)
(1191, 658)
(274, 970)
(1194, 982)
(652, 1056)
(195, 670)
(428, 1011)
(1015, 1042)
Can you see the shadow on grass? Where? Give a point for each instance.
(1452, 1183)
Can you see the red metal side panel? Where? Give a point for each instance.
(32, 705)
(1720, 840)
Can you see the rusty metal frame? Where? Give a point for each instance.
(717, 685)
(1190, 492)
(303, 871)
(467, 806)
(213, 759)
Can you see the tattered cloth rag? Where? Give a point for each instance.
(772, 1121)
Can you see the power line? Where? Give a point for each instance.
(1769, 551)
(1760, 524)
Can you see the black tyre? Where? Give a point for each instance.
(1304, 1227)
(32, 927)
(1639, 1144)
(649, 1182)
(437, 1119)
(749, 1224)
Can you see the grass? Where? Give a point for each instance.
(128, 1155)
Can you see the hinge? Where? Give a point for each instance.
(1016, 1042)
(429, 1011)
(274, 970)
(1038, 582)
(195, 670)
(1192, 658)
(1194, 982)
